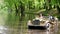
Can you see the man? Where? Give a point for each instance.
(51, 18)
(41, 17)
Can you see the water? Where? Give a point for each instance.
(12, 27)
(6, 30)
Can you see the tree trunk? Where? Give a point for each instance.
(16, 10)
(47, 4)
(22, 7)
(50, 7)
(58, 9)
(21, 18)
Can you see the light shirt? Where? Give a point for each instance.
(41, 18)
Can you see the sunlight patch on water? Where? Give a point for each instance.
(2, 22)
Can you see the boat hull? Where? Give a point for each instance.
(37, 27)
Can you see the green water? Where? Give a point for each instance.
(13, 26)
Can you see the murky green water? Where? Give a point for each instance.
(23, 30)
(12, 25)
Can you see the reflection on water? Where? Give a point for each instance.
(4, 30)
(39, 32)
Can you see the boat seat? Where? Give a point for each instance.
(36, 22)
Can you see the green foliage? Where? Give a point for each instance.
(31, 8)
(54, 2)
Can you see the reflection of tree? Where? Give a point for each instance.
(22, 8)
